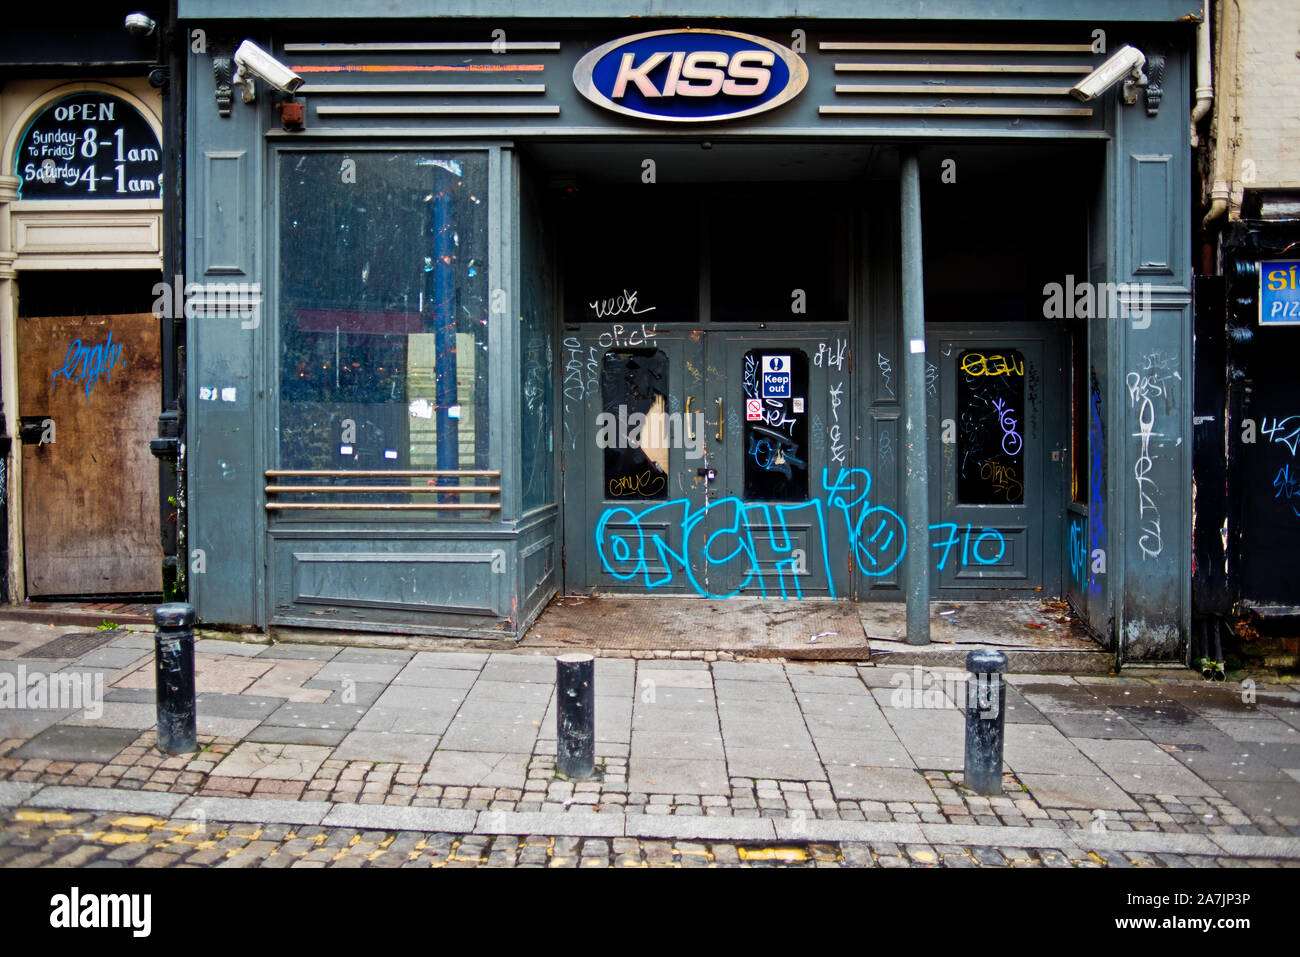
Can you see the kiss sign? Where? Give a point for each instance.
(690, 76)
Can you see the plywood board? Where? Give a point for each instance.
(90, 497)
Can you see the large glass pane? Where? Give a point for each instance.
(384, 315)
(990, 443)
(633, 424)
(775, 390)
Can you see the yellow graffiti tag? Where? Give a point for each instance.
(978, 364)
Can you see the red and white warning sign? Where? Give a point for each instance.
(753, 410)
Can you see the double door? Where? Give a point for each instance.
(710, 463)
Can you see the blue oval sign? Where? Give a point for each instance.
(690, 76)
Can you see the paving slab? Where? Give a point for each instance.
(112, 657)
(107, 799)
(748, 671)
(252, 810)
(15, 793)
(480, 736)
(297, 714)
(994, 836)
(784, 764)
(286, 679)
(850, 783)
(813, 829)
(568, 823)
(1109, 726)
(677, 775)
(1080, 791)
(475, 769)
(698, 828)
(218, 646)
(72, 743)
(293, 650)
(27, 723)
(674, 677)
(234, 705)
(1243, 845)
(385, 656)
(358, 671)
(420, 676)
(276, 735)
(386, 746)
(1266, 797)
(677, 744)
(730, 691)
(470, 661)
(1097, 839)
(862, 752)
(1170, 778)
(224, 727)
(1257, 729)
(380, 817)
(286, 762)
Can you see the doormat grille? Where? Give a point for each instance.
(72, 645)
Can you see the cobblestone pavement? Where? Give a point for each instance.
(370, 757)
(60, 838)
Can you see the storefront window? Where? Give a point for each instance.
(383, 311)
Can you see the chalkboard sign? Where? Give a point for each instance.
(990, 443)
(89, 146)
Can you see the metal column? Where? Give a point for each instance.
(916, 489)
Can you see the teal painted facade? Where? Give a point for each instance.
(1044, 189)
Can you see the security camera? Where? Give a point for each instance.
(251, 60)
(139, 24)
(1124, 64)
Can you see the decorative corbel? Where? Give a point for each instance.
(222, 70)
(1155, 91)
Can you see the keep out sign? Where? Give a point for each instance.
(690, 76)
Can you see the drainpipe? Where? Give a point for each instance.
(1224, 132)
(1204, 78)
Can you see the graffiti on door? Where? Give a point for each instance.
(83, 365)
(637, 546)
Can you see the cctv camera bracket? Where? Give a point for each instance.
(244, 80)
(1131, 83)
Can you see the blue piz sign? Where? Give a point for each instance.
(1279, 292)
(690, 76)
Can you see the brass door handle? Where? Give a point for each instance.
(719, 418)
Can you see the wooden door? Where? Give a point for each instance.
(88, 394)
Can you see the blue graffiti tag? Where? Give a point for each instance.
(1078, 552)
(1288, 487)
(84, 365)
(634, 546)
(1096, 482)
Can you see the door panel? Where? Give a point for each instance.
(767, 500)
(673, 486)
(637, 445)
(994, 415)
(89, 386)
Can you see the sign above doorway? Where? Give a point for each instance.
(690, 76)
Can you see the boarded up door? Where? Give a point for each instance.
(90, 496)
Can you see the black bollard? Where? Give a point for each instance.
(986, 706)
(174, 677)
(575, 737)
